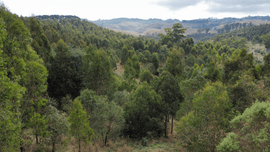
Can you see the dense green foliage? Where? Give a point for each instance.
(79, 125)
(144, 113)
(169, 90)
(60, 79)
(250, 130)
(10, 96)
(58, 126)
(65, 74)
(203, 127)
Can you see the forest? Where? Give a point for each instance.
(70, 85)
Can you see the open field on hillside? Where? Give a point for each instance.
(256, 49)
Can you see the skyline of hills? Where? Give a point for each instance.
(153, 26)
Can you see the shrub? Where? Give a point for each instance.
(203, 127)
(251, 130)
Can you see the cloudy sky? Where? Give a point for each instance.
(143, 9)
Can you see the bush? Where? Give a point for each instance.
(144, 113)
(146, 76)
(251, 130)
(203, 127)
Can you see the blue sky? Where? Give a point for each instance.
(143, 9)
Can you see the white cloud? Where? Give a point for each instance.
(143, 9)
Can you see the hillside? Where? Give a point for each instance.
(68, 84)
(141, 26)
(198, 29)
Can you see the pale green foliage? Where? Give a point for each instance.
(39, 125)
(251, 129)
(197, 69)
(79, 123)
(113, 121)
(213, 73)
(203, 127)
(187, 89)
(150, 67)
(130, 72)
(98, 71)
(106, 117)
(25, 71)
(229, 144)
(58, 125)
(266, 40)
(121, 97)
(10, 96)
(235, 54)
(175, 62)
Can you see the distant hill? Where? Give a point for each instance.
(104, 23)
(198, 28)
(152, 27)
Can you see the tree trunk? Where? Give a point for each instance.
(165, 126)
(79, 144)
(106, 135)
(36, 139)
(105, 140)
(22, 149)
(172, 126)
(53, 146)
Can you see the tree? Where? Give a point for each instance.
(241, 62)
(169, 90)
(213, 73)
(266, 40)
(190, 60)
(166, 38)
(146, 76)
(142, 58)
(243, 93)
(203, 127)
(136, 65)
(40, 43)
(11, 94)
(58, 125)
(175, 62)
(129, 70)
(106, 117)
(97, 71)
(144, 113)
(65, 74)
(187, 89)
(114, 121)
(121, 98)
(23, 66)
(79, 125)
(250, 130)
(147, 55)
(266, 65)
(39, 125)
(155, 61)
(127, 52)
(178, 31)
